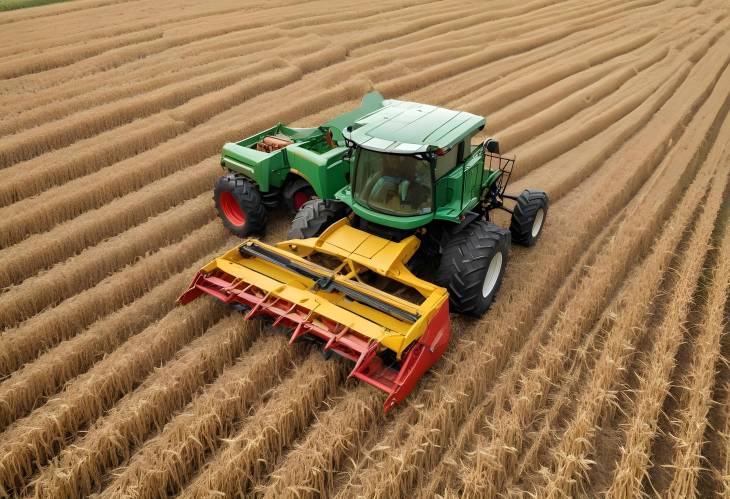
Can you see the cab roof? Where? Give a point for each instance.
(409, 127)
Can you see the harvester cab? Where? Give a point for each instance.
(372, 274)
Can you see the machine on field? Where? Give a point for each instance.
(372, 274)
(283, 166)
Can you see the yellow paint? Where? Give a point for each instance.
(358, 251)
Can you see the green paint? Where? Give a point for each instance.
(6, 5)
(405, 148)
(310, 156)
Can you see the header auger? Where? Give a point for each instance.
(371, 270)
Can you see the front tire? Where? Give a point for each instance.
(296, 193)
(239, 206)
(314, 216)
(472, 267)
(528, 217)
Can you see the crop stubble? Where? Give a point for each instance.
(613, 107)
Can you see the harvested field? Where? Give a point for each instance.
(601, 369)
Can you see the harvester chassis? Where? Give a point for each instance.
(371, 270)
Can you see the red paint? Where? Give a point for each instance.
(231, 210)
(397, 381)
(422, 355)
(299, 199)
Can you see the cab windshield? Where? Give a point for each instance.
(395, 184)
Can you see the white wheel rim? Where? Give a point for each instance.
(537, 224)
(490, 280)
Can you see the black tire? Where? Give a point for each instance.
(295, 188)
(531, 207)
(465, 267)
(238, 203)
(315, 216)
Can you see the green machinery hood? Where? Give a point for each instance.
(402, 127)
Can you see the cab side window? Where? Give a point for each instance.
(457, 154)
(468, 148)
(446, 163)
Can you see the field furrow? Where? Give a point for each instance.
(698, 384)
(496, 457)
(655, 380)
(119, 62)
(30, 442)
(153, 71)
(183, 445)
(448, 412)
(473, 81)
(108, 443)
(56, 134)
(600, 368)
(252, 451)
(335, 438)
(46, 329)
(43, 250)
(47, 374)
(625, 320)
(49, 288)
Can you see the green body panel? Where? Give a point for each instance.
(266, 169)
(460, 190)
(309, 156)
(370, 103)
(326, 172)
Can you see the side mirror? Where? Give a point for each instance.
(491, 146)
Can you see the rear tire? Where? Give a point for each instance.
(314, 217)
(238, 203)
(472, 267)
(528, 217)
(296, 193)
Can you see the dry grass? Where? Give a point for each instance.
(41, 251)
(309, 469)
(27, 387)
(655, 379)
(249, 454)
(23, 343)
(92, 265)
(77, 196)
(110, 440)
(30, 442)
(699, 382)
(114, 114)
(165, 463)
(626, 320)
(28, 178)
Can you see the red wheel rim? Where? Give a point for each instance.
(231, 210)
(299, 199)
